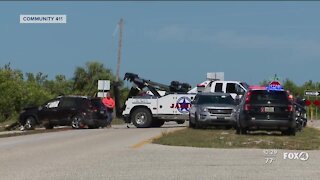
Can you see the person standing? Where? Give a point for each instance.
(109, 103)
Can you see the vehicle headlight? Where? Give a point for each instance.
(204, 109)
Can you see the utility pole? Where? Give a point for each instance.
(119, 49)
(116, 85)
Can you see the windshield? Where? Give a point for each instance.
(215, 99)
(279, 97)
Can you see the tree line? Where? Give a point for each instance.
(19, 90)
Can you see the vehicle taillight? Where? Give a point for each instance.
(248, 97)
(247, 107)
(290, 108)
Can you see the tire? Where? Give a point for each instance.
(196, 124)
(292, 131)
(141, 118)
(289, 132)
(191, 124)
(299, 126)
(76, 122)
(30, 123)
(157, 122)
(305, 122)
(243, 131)
(48, 126)
(180, 121)
(237, 127)
(238, 131)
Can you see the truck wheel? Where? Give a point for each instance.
(238, 130)
(141, 118)
(180, 121)
(30, 123)
(196, 123)
(157, 123)
(305, 121)
(243, 131)
(290, 132)
(191, 124)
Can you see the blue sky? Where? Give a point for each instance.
(165, 41)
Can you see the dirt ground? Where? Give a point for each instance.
(314, 123)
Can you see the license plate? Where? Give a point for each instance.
(267, 109)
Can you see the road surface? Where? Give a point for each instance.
(121, 153)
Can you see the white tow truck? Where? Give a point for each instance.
(146, 107)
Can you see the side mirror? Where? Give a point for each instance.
(241, 92)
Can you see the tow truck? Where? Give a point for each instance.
(146, 106)
(151, 104)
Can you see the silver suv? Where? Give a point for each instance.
(212, 109)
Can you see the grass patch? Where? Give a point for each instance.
(6, 124)
(307, 139)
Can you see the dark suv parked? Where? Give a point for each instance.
(75, 111)
(264, 109)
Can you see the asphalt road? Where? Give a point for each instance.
(121, 153)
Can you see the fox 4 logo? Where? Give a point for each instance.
(303, 156)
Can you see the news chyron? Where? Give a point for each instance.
(43, 19)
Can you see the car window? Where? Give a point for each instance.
(68, 103)
(83, 103)
(218, 87)
(52, 104)
(97, 103)
(239, 89)
(209, 99)
(231, 88)
(263, 97)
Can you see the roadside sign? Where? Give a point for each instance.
(308, 102)
(215, 76)
(102, 94)
(316, 102)
(311, 93)
(104, 85)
